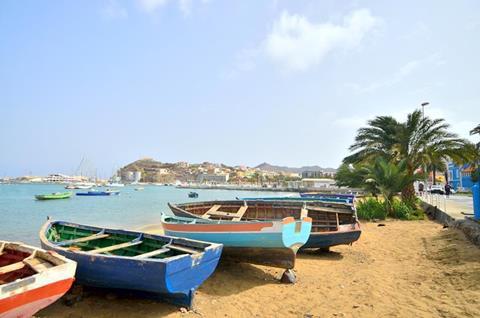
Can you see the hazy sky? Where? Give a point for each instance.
(238, 82)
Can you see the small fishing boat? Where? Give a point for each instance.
(115, 185)
(81, 185)
(31, 279)
(98, 193)
(139, 189)
(165, 267)
(333, 223)
(54, 196)
(193, 195)
(300, 199)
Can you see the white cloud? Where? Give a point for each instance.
(151, 6)
(297, 44)
(113, 10)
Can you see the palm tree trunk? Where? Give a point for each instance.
(434, 175)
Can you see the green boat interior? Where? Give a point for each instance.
(325, 216)
(120, 243)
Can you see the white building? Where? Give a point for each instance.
(318, 183)
(61, 178)
(212, 178)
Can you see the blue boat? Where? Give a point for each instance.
(98, 193)
(333, 223)
(168, 268)
(301, 199)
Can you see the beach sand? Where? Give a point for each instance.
(403, 269)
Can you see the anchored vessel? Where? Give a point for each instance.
(332, 223)
(168, 268)
(31, 279)
(54, 196)
(99, 193)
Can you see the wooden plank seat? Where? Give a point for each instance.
(153, 253)
(96, 236)
(214, 208)
(37, 264)
(240, 213)
(115, 247)
(183, 249)
(12, 267)
(221, 213)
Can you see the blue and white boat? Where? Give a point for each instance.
(98, 193)
(169, 268)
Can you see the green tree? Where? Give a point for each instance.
(418, 142)
(475, 130)
(390, 178)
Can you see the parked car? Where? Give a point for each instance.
(439, 188)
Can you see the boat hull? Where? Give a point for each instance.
(43, 197)
(346, 234)
(273, 243)
(24, 296)
(172, 279)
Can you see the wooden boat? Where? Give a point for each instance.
(31, 279)
(165, 267)
(300, 199)
(332, 223)
(54, 196)
(99, 193)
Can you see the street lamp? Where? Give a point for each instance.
(423, 108)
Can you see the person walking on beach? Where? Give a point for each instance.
(448, 189)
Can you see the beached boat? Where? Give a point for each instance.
(165, 267)
(332, 223)
(54, 196)
(300, 199)
(98, 193)
(31, 279)
(272, 243)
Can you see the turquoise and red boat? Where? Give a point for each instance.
(164, 267)
(333, 223)
(246, 238)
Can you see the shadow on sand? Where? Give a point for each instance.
(318, 254)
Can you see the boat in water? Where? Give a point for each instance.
(139, 189)
(333, 223)
(99, 193)
(31, 279)
(82, 186)
(53, 196)
(167, 268)
(193, 194)
(114, 185)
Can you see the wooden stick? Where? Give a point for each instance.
(115, 247)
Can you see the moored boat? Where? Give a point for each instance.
(31, 279)
(54, 196)
(166, 267)
(333, 223)
(193, 195)
(98, 193)
(115, 185)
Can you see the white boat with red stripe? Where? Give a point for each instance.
(31, 279)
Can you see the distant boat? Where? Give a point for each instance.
(80, 186)
(53, 196)
(114, 185)
(169, 268)
(31, 279)
(98, 193)
(193, 195)
(139, 189)
(333, 223)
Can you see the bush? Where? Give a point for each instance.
(370, 208)
(403, 211)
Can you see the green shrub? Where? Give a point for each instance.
(370, 208)
(403, 211)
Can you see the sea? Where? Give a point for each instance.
(21, 215)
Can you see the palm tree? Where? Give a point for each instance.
(475, 130)
(418, 141)
(390, 178)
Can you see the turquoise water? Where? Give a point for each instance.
(21, 216)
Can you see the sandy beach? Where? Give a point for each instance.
(402, 269)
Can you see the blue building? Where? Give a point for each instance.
(460, 177)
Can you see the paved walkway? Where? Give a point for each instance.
(453, 206)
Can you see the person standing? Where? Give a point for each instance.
(448, 189)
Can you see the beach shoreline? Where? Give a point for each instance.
(402, 269)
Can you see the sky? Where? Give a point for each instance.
(236, 82)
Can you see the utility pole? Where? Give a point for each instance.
(423, 108)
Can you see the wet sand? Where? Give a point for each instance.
(403, 269)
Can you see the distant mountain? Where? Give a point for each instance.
(268, 167)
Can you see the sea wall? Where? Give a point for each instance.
(468, 226)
